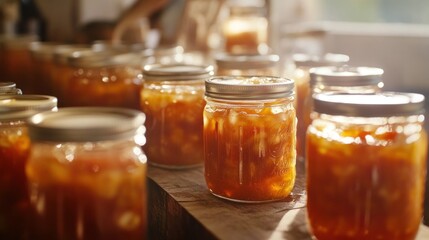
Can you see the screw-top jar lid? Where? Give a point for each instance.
(62, 53)
(229, 61)
(44, 50)
(21, 107)
(9, 88)
(163, 51)
(384, 104)
(249, 88)
(27, 102)
(329, 59)
(86, 124)
(17, 42)
(346, 76)
(93, 59)
(173, 72)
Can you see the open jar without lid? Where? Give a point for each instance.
(366, 165)
(249, 138)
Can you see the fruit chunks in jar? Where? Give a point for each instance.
(365, 183)
(250, 152)
(87, 196)
(14, 201)
(174, 123)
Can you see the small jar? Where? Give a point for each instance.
(173, 101)
(245, 31)
(87, 174)
(249, 138)
(104, 79)
(62, 71)
(366, 166)
(15, 210)
(9, 88)
(250, 65)
(335, 79)
(15, 62)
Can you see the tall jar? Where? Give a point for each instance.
(250, 65)
(245, 31)
(9, 88)
(15, 211)
(104, 79)
(249, 138)
(300, 72)
(173, 101)
(87, 174)
(366, 166)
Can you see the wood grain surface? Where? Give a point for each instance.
(181, 207)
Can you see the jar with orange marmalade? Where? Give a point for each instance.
(249, 138)
(15, 210)
(7, 88)
(103, 79)
(87, 174)
(366, 166)
(250, 65)
(173, 101)
(300, 73)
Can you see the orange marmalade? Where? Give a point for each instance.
(249, 138)
(87, 174)
(366, 166)
(173, 101)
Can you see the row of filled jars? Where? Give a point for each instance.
(245, 132)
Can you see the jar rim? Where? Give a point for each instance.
(84, 124)
(347, 76)
(382, 104)
(246, 61)
(249, 87)
(176, 72)
(328, 59)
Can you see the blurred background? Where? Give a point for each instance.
(391, 34)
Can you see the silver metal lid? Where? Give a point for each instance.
(246, 61)
(9, 88)
(384, 104)
(163, 51)
(174, 72)
(249, 88)
(329, 59)
(86, 124)
(21, 42)
(62, 54)
(93, 59)
(27, 102)
(346, 76)
(44, 50)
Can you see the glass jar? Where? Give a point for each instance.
(300, 72)
(163, 55)
(335, 79)
(9, 88)
(366, 166)
(15, 62)
(173, 101)
(245, 31)
(15, 211)
(250, 65)
(87, 174)
(249, 138)
(62, 71)
(106, 79)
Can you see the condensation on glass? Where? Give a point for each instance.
(366, 166)
(173, 101)
(87, 174)
(249, 138)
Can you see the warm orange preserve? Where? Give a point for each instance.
(174, 122)
(117, 86)
(365, 181)
(82, 191)
(14, 201)
(250, 149)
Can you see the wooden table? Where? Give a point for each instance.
(181, 207)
